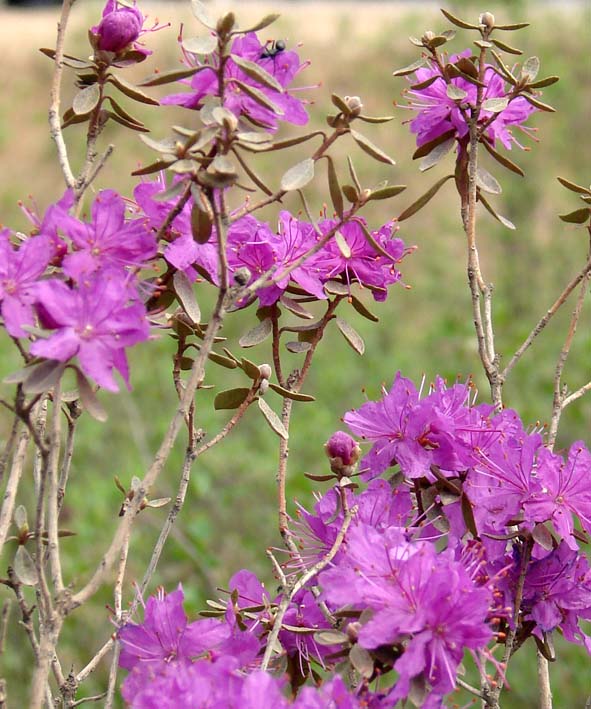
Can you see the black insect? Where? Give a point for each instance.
(272, 48)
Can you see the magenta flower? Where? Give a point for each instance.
(165, 635)
(564, 490)
(20, 270)
(284, 66)
(438, 113)
(120, 28)
(557, 592)
(109, 241)
(353, 257)
(96, 322)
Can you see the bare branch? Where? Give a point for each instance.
(55, 127)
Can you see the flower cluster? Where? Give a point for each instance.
(296, 251)
(78, 281)
(466, 476)
(276, 103)
(440, 112)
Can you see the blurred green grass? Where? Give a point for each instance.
(229, 517)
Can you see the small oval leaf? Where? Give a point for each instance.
(487, 182)
(351, 335)
(230, 398)
(86, 100)
(88, 398)
(24, 567)
(298, 176)
(423, 199)
(258, 334)
(368, 147)
(200, 45)
(273, 420)
(186, 296)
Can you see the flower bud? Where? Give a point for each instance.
(428, 36)
(265, 370)
(343, 453)
(487, 19)
(354, 104)
(118, 29)
(226, 23)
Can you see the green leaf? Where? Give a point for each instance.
(186, 296)
(455, 93)
(362, 310)
(342, 245)
(288, 394)
(258, 334)
(459, 23)
(350, 193)
(88, 398)
(539, 104)
(506, 47)
(502, 159)
(249, 368)
(468, 515)
(375, 119)
(368, 147)
(174, 190)
(43, 376)
(68, 59)
(573, 187)
(132, 91)
(515, 26)
(167, 77)
(495, 105)
(411, 68)
(230, 398)
(530, 69)
(24, 567)
(423, 199)
(386, 192)
(222, 361)
(201, 224)
(258, 96)
(330, 637)
(297, 347)
(20, 518)
(200, 45)
(504, 70)
(425, 84)
(120, 111)
(289, 142)
(298, 176)
(154, 167)
(487, 182)
(252, 174)
(86, 100)
(503, 220)
(336, 288)
(430, 145)
(352, 337)
(542, 83)
(273, 420)
(436, 155)
(579, 216)
(200, 13)
(335, 189)
(132, 125)
(261, 24)
(294, 307)
(353, 174)
(256, 72)
(362, 661)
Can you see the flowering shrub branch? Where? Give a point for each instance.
(457, 533)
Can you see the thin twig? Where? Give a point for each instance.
(306, 578)
(545, 689)
(12, 484)
(7, 452)
(53, 549)
(545, 319)
(55, 127)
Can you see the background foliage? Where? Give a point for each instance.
(230, 514)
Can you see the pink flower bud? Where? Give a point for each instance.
(118, 29)
(342, 451)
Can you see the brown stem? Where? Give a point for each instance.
(55, 127)
(306, 578)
